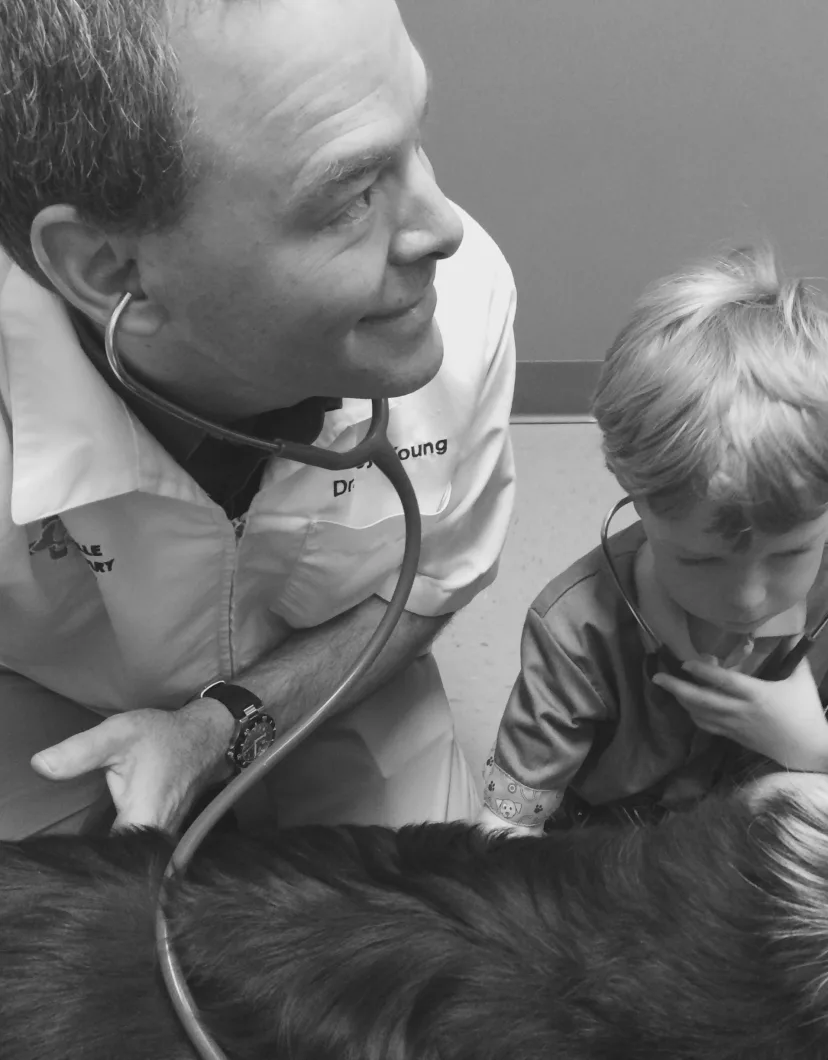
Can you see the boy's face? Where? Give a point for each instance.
(734, 590)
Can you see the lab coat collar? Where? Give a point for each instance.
(74, 440)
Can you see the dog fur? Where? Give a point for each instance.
(702, 938)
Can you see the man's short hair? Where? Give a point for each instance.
(717, 391)
(91, 115)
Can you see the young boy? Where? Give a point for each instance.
(713, 407)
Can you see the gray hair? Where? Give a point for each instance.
(92, 114)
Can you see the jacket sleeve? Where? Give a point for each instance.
(546, 731)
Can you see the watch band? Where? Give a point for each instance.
(239, 701)
(255, 731)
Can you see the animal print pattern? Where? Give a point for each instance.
(513, 802)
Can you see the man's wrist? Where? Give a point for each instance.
(215, 725)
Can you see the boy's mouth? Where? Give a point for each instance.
(746, 627)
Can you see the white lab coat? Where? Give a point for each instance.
(123, 585)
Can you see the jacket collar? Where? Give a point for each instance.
(74, 439)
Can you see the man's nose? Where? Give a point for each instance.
(429, 226)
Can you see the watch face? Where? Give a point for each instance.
(254, 741)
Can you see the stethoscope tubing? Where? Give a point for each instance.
(304, 454)
(773, 668)
(642, 623)
(374, 447)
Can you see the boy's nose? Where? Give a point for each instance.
(748, 596)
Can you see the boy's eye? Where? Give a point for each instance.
(791, 553)
(698, 561)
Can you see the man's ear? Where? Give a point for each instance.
(93, 270)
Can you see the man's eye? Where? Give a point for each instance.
(356, 210)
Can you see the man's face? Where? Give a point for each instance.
(305, 264)
(733, 590)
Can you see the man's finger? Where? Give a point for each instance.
(84, 752)
(128, 821)
(140, 804)
(147, 815)
(144, 805)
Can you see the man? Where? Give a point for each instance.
(253, 175)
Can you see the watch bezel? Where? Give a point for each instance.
(235, 753)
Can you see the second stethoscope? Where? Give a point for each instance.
(374, 447)
(780, 664)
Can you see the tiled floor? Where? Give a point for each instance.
(563, 491)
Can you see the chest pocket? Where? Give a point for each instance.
(346, 559)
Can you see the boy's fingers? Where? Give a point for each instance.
(694, 698)
(730, 681)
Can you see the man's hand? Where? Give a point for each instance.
(157, 762)
(783, 720)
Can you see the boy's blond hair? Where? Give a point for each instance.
(717, 390)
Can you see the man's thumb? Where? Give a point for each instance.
(94, 749)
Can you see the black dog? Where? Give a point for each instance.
(702, 938)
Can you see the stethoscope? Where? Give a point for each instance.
(780, 664)
(376, 447)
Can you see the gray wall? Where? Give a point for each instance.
(605, 142)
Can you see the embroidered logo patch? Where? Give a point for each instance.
(54, 538)
(91, 553)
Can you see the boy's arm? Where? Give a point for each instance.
(545, 734)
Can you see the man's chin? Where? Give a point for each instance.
(398, 372)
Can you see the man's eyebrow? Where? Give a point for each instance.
(342, 172)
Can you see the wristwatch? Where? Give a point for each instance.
(255, 731)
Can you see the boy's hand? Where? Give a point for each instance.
(783, 720)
